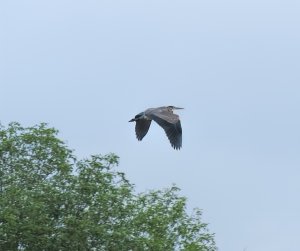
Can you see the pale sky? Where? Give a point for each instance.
(87, 67)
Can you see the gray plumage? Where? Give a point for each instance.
(163, 116)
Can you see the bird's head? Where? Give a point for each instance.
(137, 117)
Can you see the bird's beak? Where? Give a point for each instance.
(131, 120)
(178, 108)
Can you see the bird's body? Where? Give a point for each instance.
(163, 116)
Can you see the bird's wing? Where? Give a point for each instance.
(141, 128)
(171, 124)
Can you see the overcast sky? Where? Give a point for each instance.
(87, 67)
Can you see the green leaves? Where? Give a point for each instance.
(51, 201)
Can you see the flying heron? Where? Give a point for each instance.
(163, 116)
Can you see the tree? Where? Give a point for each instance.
(52, 201)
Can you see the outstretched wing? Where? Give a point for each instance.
(171, 124)
(141, 128)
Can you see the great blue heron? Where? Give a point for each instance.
(163, 116)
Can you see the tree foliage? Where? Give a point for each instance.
(52, 201)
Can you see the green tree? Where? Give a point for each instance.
(52, 201)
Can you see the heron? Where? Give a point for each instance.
(163, 116)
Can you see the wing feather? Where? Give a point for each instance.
(171, 124)
(141, 128)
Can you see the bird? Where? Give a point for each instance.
(163, 116)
